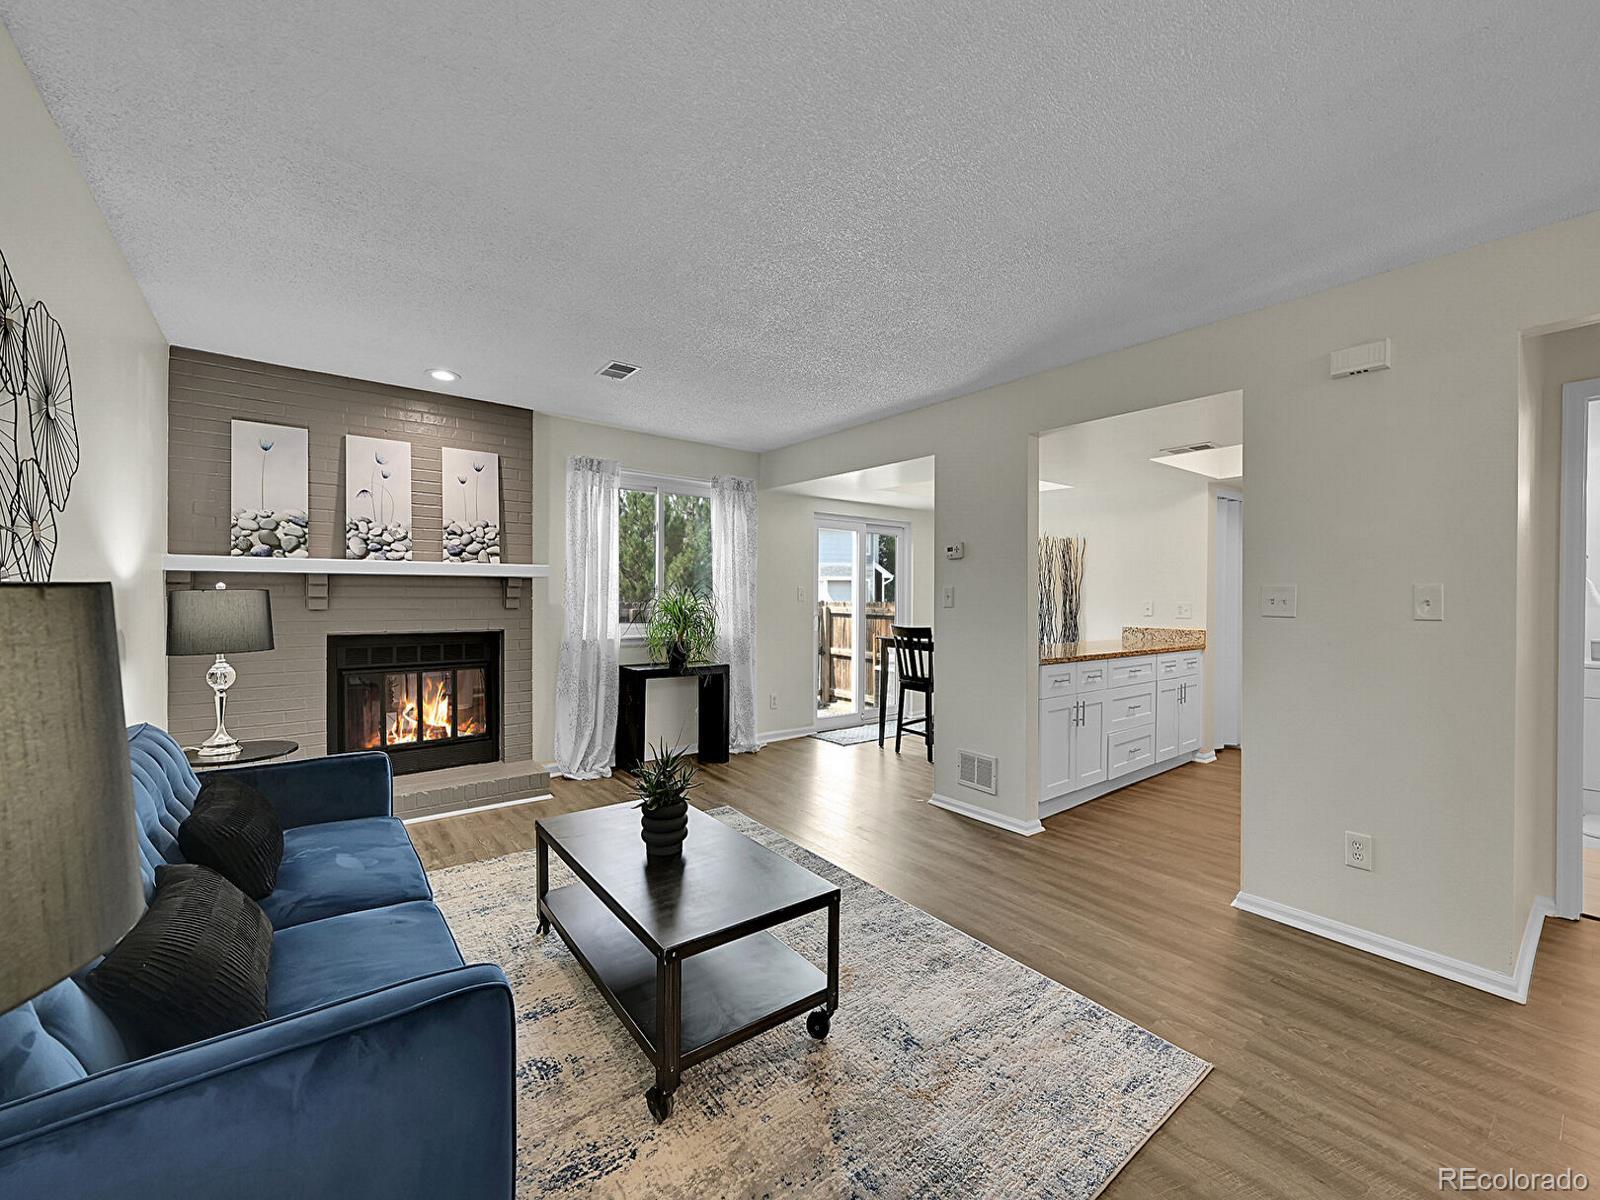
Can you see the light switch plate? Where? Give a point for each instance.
(1149, 608)
(1279, 600)
(1427, 602)
(949, 595)
(1185, 611)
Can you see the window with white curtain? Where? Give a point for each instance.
(663, 541)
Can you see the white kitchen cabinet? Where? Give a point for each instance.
(1167, 693)
(1106, 723)
(1072, 743)
(1189, 714)
(1089, 742)
(1058, 717)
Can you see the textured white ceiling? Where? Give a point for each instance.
(793, 216)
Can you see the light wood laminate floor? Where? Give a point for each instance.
(1337, 1073)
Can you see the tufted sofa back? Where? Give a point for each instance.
(164, 788)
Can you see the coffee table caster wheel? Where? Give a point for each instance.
(660, 1104)
(817, 1023)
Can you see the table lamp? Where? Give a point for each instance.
(221, 622)
(70, 887)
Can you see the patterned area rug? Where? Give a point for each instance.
(855, 735)
(950, 1070)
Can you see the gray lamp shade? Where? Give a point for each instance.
(70, 883)
(217, 621)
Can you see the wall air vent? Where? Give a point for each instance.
(977, 771)
(1190, 448)
(617, 370)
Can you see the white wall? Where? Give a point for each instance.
(60, 251)
(1143, 542)
(786, 636)
(671, 711)
(1359, 717)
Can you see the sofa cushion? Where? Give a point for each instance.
(342, 867)
(58, 1036)
(194, 967)
(164, 788)
(233, 830)
(340, 957)
(31, 1060)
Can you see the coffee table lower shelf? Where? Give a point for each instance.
(729, 993)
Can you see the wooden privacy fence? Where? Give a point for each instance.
(835, 647)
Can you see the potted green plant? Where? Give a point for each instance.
(682, 626)
(662, 787)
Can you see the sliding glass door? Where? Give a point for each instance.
(862, 579)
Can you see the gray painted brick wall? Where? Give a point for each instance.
(283, 693)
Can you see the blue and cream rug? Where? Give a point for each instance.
(950, 1070)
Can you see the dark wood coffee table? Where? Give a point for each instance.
(680, 950)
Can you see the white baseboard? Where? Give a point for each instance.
(456, 812)
(986, 815)
(1512, 985)
(784, 735)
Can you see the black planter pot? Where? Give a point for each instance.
(663, 830)
(677, 656)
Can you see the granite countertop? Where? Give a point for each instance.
(1136, 640)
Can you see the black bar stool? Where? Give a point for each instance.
(913, 648)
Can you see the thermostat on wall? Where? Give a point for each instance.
(956, 550)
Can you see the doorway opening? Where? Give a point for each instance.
(1578, 663)
(863, 570)
(1141, 596)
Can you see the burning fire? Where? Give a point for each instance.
(435, 708)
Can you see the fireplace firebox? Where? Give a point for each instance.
(429, 700)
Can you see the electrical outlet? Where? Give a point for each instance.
(1358, 850)
(799, 595)
(772, 700)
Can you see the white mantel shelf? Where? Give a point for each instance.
(238, 564)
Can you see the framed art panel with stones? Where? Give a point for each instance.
(471, 480)
(377, 498)
(270, 491)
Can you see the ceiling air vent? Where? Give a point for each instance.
(617, 370)
(976, 771)
(1188, 449)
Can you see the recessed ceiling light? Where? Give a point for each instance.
(1214, 462)
(442, 375)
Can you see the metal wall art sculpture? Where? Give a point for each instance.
(35, 471)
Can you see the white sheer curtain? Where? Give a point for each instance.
(733, 580)
(586, 687)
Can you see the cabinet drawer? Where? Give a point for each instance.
(1130, 707)
(1060, 679)
(1178, 666)
(1129, 751)
(1132, 670)
(1092, 676)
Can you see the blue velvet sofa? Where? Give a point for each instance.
(385, 1068)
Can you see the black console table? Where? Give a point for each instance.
(712, 679)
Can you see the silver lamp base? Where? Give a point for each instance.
(221, 744)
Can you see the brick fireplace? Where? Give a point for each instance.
(284, 693)
(428, 700)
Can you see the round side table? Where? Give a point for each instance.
(249, 752)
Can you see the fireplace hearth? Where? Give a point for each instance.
(428, 700)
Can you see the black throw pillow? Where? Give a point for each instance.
(195, 965)
(233, 830)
